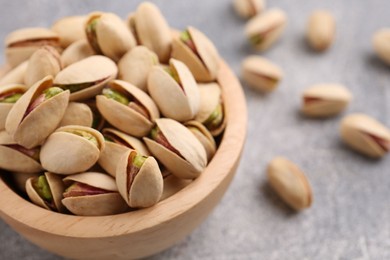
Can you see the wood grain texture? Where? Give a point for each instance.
(142, 232)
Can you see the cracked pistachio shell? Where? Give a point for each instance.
(248, 8)
(22, 43)
(124, 117)
(44, 62)
(146, 186)
(114, 150)
(56, 188)
(204, 136)
(77, 51)
(15, 75)
(95, 205)
(210, 98)
(14, 160)
(70, 29)
(204, 64)
(179, 101)
(112, 37)
(95, 70)
(77, 114)
(266, 28)
(173, 185)
(324, 100)
(260, 73)
(153, 30)
(31, 130)
(381, 45)
(19, 179)
(321, 30)
(6, 107)
(193, 159)
(365, 135)
(65, 152)
(135, 65)
(290, 183)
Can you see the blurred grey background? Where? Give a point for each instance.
(350, 217)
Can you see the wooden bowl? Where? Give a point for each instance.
(142, 232)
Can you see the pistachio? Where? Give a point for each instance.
(204, 136)
(77, 51)
(15, 75)
(380, 42)
(92, 194)
(248, 8)
(290, 183)
(172, 185)
(174, 90)
(266, 28)
(260, 73)
(365, 135)
(177, 149)
(77, 114)
(135, 65)
(194, 49)
(321, 29)
(325, 100)
(9, 94)
(70, 29)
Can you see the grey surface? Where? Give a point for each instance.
(350, 215)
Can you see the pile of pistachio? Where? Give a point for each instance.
(100, 116)
(359, 131)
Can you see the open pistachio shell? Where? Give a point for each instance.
(19, 180)
(176, 95)
(71, 149)
(204, 62)
(22, 43)
(77, 51)
(139, 180)
(108, 35)
(15, 75)
(123, 116)
(29, 125)
(70, 29)
(135, 66)
(185, 158)
(117, 143)
(98, 195)
(211, 105)
(16, 158)
(51, 186)
(44, 62)
(204, 136)
(86, 78)
(172, 185)
(9, 94)
(77, 114)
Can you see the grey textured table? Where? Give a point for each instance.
(350, 217)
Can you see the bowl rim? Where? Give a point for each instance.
(14, 207)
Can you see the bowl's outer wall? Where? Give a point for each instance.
(144, 232)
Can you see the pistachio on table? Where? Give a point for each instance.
(9, 94)
(321, 30)
(77, 114)
(70, 29)
(75, 52)
(174, 90)
(266, 28)
(248, 8)
(139, 179)
(15, 75)
(365, 135)
(290, 183)
(92, 194)
(380, 42)
(325, 100)
(204, 136)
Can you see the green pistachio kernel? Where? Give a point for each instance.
(42, 187)
(91, 34)
(12, 98)
(51, 92)
(77, 87)
(256, 39)
(116, 95)
(185, 36)
(215, 119)
(84, 134)
(139, 160)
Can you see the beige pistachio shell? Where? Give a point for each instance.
(31, 130)
(380, 43)
(95, 69)
(6, 107)
(19, 180)
(173, 185)
(94, 179)
(14, 160)
(56, 187)
(260, 73)
(75, 52)
(365, 135)
(22, 43)
(153, 30)
(44, 62)
(176, 101)
(324, 100)
(135, 65)
(125, 118)
(290, 183)
(77, 114)
(70, 29)
(204, 64)
(204, 136)
(68, 153)
(147, 186)
(15, 75)
(321, 30)
(248, 8)
(193, 159)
